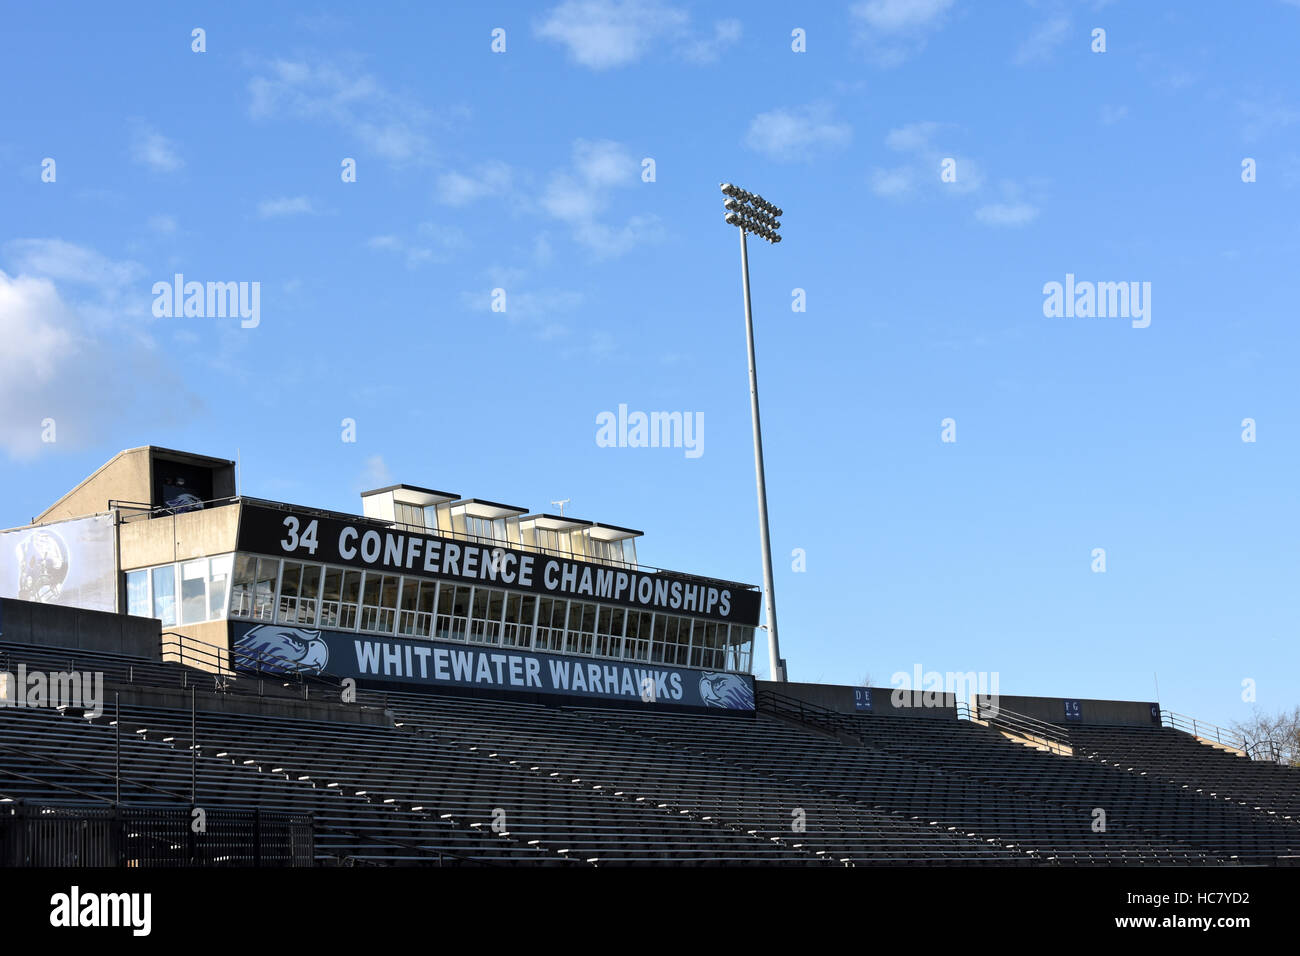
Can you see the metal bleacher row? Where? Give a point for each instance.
(439, 779)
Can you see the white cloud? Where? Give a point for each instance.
(915, 137)
(1263, 118)
(162, 224)
(459, 189)
(531, 306)
(791, 135)
(1039, 46)
(68, 262)
(726, 33)
(286, 206)
(1110, 115)
(893, 30)
(77, 348)
(921, 141)
(391, 126)
(578, 196)
(606, 33)
(151, 148)
(892, 182)
(434, 244)
(375, 474)
(1007, 214)
(603, 34)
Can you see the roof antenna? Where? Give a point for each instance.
(560, 504)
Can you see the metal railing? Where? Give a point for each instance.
(1052, 736)
(813, 715)
(226, 669)
(1254, 749)
(77, 836)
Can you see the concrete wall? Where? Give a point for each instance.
(1052, 709)
(31, 623)
(841, 698)
(125, 477)
(205, 646)
(287, 708)
(128, 476)
(168, 538)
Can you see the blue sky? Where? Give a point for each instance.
(522, 171)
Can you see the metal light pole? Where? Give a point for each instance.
(752, 213)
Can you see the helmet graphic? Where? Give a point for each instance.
(42, 567)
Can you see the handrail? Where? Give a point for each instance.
(1055, 737)
(247, 662)
(1204, 730)
(814, 715)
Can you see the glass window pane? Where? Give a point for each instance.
(137, 593)
(164, 594)
(241, 597)
(218, 580)
(194, 591)
(264, 590)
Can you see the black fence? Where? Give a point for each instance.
(65, 836)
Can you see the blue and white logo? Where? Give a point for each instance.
(276, 649)
(726, 690)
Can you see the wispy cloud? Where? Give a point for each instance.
(389, 125)
(920, 143)
(163, 224)
(923, 147)
(151, 148)
(286, 206)
(1040, 45)
(489, 179)
(431, 244)
(604, 34)
(76, 328)
(1110, 115)
(579, 195)
(1263, 118)
(797, 134)
(1007, 214)
(893, 30)
(709, 48)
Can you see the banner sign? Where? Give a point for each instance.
(862, 698)
(72, 563)
(372, 661)
(333, 541)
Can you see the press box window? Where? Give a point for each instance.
(137, 593)
(164, 595)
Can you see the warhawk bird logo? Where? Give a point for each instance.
(184, 502)
(726, 690)
(275, 649)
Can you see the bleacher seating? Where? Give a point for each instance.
(435, 779)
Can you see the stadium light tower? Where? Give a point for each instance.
(752, 213)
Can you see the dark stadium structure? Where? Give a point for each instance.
(294, 752)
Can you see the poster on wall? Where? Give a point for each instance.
(71, 563)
